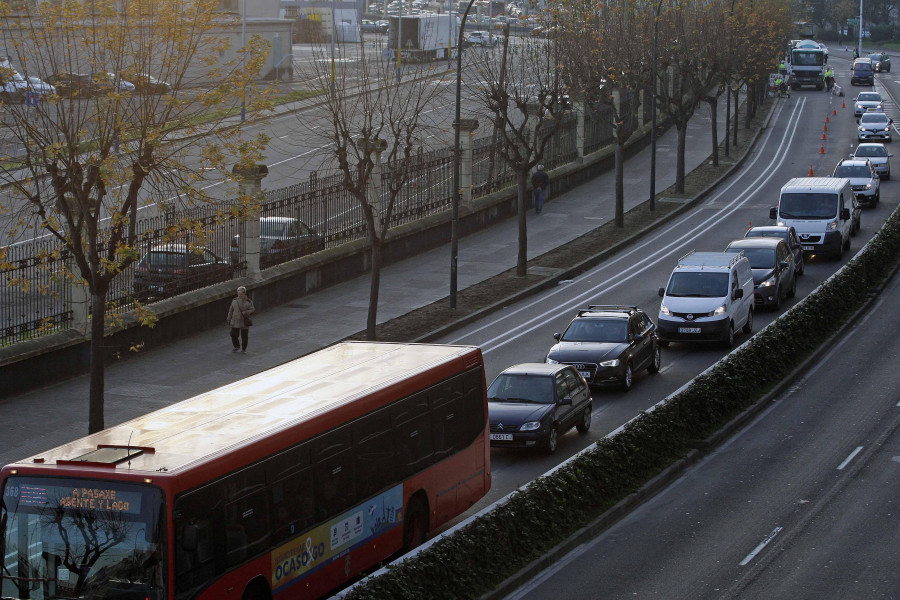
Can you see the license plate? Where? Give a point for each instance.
(809, 248)
(585, 374)
(688, 330)
(501, 437)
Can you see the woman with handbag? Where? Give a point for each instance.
(239, 319)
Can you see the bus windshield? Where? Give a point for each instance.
(79, 538)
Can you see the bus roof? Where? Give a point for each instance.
(232, 417)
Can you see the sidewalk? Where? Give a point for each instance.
(47, 417)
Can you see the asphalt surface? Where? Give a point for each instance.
(57, 413)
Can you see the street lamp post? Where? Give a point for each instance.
(653, 114)
(454, 220)
(244, 58)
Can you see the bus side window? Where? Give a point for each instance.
(375, 467)
(293, 506)
(412, 426)
(448, 418)
(198, 536)
(334, 471)
(473, 385)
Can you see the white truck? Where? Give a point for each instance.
(423, 37)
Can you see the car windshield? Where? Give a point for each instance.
(80, 538)
(879, 119)
(596, 330)
(760, 258)
(698, 284)
(875, 57)
(869, 151)
(275, 229)
(869, 97)
(853, 172)
(807, 206)
(527, 389)
(166, 259)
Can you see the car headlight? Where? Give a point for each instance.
(550, 361)
(768, 282)
(664, 310)
(530, 426)
(859, 106)
(868, 186)
(610, 363)
(832, 225)
(720, 311)
(888, 128)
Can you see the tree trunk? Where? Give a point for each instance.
(713, 102)
(620, 184)
(737, 96)
(522, 262)
(375, 285)
(679, 160)
(97, 383)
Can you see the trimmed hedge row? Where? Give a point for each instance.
(480, 556)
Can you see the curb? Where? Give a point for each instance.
(591, 262)
(679, 467)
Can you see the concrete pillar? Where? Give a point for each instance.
(467, 128)
(374, 190)
(250, 184)
(578, 107)
(79, 299)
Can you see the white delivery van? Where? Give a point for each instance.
(709, 296)
(822, 210)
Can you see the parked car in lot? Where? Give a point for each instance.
(608, 344)
(868, 102)
(772, 264)
(864, 181)
(874, 127)
(172, 269)
(878, 155)
(74, 85)
(281, 239)
(16, 86)
(369, 27)
(881, 62)
(481, 38)
(530, 405)
(110, 81)
(786, 233)
(149, 84)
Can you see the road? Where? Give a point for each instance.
(800, 504)
(522, 332)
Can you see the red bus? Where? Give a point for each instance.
(286, 484)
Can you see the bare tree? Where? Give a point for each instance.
(606, 67)
(376, 129)
(91, 157)
(523, 93)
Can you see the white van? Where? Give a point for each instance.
(823, 211)
(709, 296)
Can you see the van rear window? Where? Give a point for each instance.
(810, 205)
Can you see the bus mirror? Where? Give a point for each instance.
(190, 538)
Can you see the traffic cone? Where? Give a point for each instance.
(823, 136)
(843, 104)
(826, 127)
(822, 149)
(810, 170)
(834, 111)
(827, 120)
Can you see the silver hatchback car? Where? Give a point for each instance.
(878, 155)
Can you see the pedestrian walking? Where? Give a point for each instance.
(239, 319)
(539, 182)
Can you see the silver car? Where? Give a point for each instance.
(868, 102)
(874, 126)
(863, 180)
(281, 239)
(878, 155)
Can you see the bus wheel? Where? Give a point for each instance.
(257, 590)
(415, 527)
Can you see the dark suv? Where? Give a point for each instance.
(772, 263)
(173, 269)
(608, 344)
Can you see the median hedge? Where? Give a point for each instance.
(495, 546)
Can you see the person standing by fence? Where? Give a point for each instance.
(239, 319)
(539, 182)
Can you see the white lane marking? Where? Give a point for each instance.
(762, 545)
(849, 458)
(656, 257)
